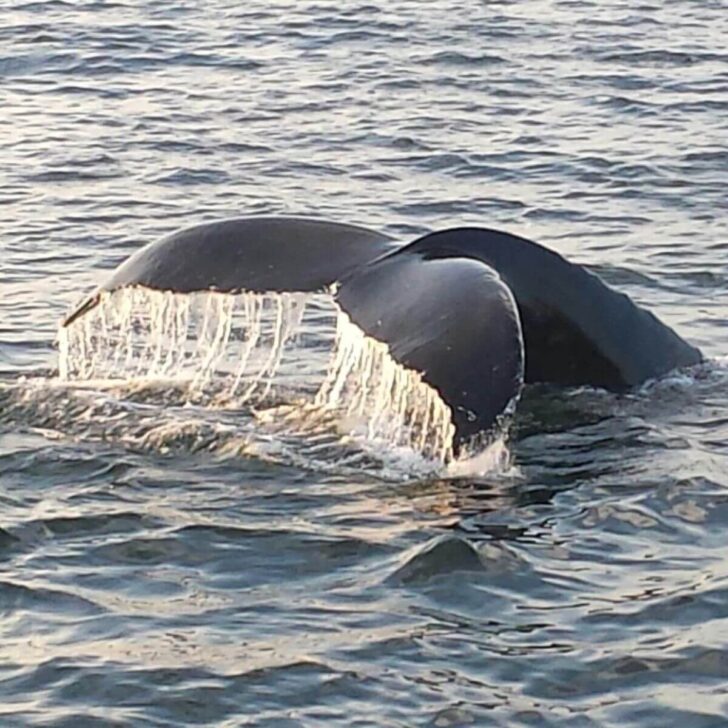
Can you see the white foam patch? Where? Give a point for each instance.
(493, 458)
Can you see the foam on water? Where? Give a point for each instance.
(254, 351)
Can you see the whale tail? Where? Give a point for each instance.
(577, 330)
(451, 319)
(257, 254)
(475, 312)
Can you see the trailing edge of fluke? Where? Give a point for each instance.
(477, 312)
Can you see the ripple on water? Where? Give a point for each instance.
(166, 565)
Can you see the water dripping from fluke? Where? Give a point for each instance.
(293, 362)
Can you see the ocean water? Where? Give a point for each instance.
(159, 568)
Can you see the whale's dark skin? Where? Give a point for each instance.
(249, 253)
(424, 310)
(576, 329)
(477, 312)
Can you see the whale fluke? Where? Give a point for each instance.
(454, 321)
(577, 330)
(258, 254)
(475, 312)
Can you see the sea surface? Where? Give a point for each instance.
(150, 576)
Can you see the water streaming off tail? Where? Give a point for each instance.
(383, 399)
(209, 340)
(292, 356)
